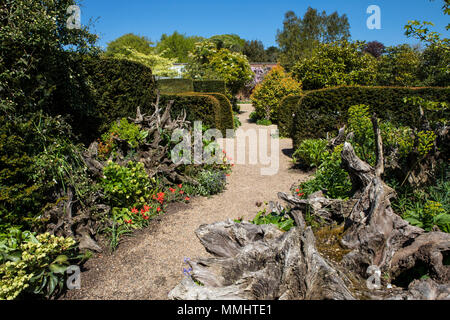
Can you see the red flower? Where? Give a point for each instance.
(301, 194)
(298, 190)
(142, 211)
(146, 217)
(172, 190)
(187, 199)
(134, 210)
(180, 186)
(227, 175)
(146, 208)
(159, 209)
(181, 192)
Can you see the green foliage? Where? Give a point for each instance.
(37, 157)
(301, 35)
(288, 106)
(311, 152)
(326, 110)
(208, 62)
(128, 41)
(264, 122)
(177, 46)
(254, 51)
(209, 86)
(231, 42)
(126, 131)
(118, 87)
(34, 264)
(211, 182)
(329, 178)
(280, 220)
(399, 66)
(426, 208)
(237, 122)
(36, 73)
(336, 64)
(253, 116)
(267, 95)
(159, 65)
(175, 86)
(213, 109)
(126, 186)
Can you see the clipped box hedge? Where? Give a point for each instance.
(286, 114)
(325, 110)
(116, 89)
(209, 86)
(211, 109)
(175, 86)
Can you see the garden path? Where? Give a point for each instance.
(149, 264)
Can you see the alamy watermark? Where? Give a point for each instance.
(188, 152)
(74, 20)
(374, 21)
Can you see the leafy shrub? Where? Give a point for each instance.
(211, 182)
(329, 178)
(237, 122)
(336, 64)
(426, 208)
(280, 220)
(34, 264)
(267, 96)
(37, 158)
(311, 152)
(264, 122)
(126, 186)
(326, 110)
(126, 131)
(253, 116)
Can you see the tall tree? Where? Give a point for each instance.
(232, 42)
(272, 54)
(254, 50)
(375, 48)
(301, 35)
(177, 46)
(139, 43)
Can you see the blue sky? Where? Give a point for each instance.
(250, 19)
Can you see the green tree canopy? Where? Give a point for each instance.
(139, 43)
(208, 62)
(334, 64)
(177, 46)
(254, 50)
(231, 42)
(301, 35)
(399, 66)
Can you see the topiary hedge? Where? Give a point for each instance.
(225, 115)
(325, 110)
(175, 86)
(286, 114)
(117, 88)
(209, 86)
(208, 108)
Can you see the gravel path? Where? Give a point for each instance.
(149, 264)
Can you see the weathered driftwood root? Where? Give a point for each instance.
(261, 262)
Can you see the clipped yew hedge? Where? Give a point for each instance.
(116, 89)
(325, 110)
(209, 86)
(286, 114)
(175, 86)
(208, 108)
